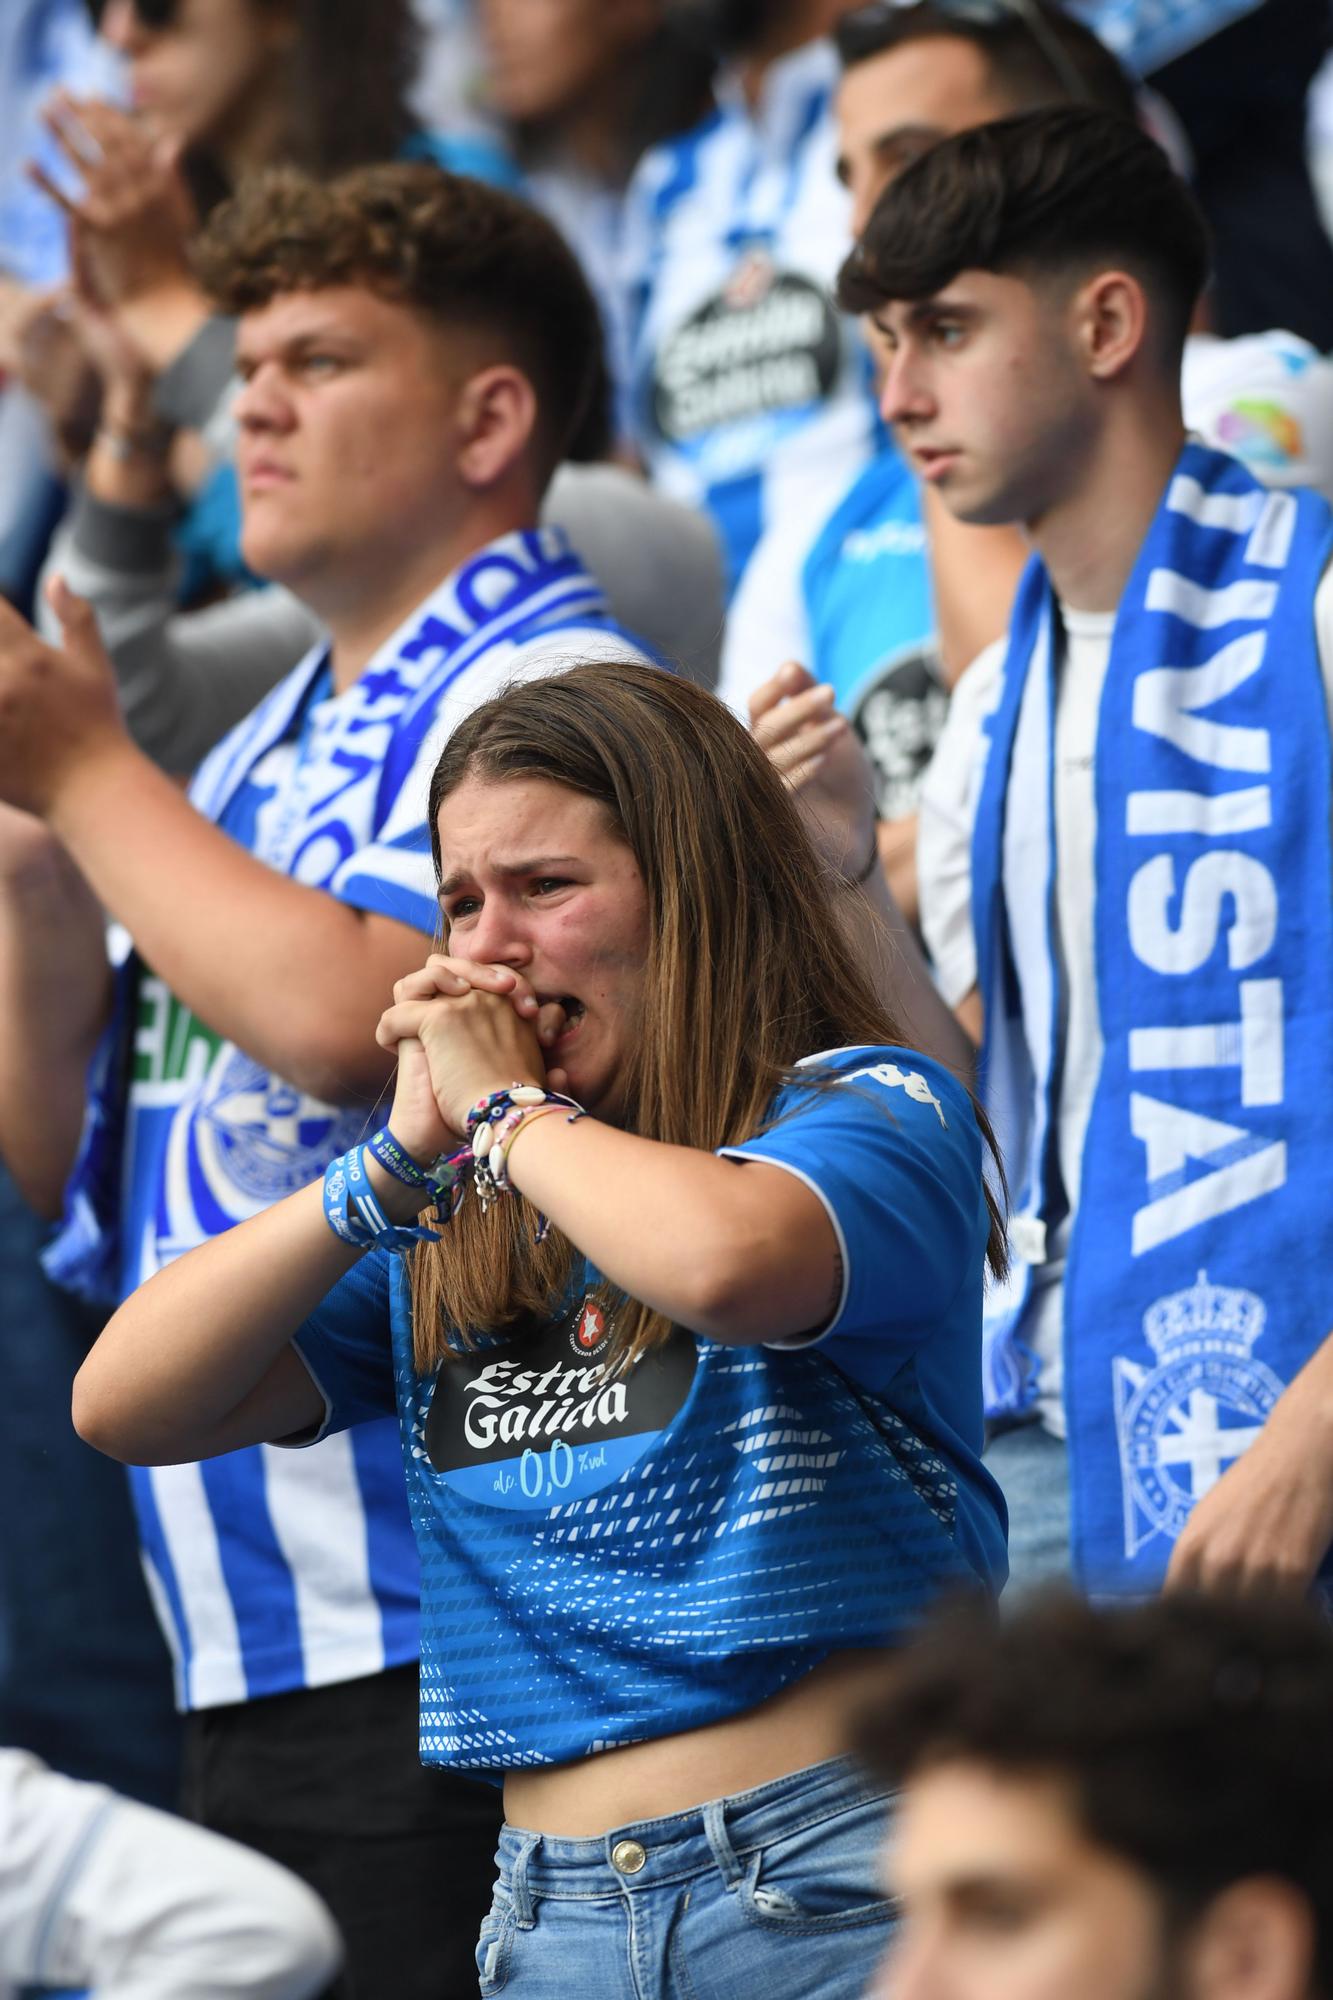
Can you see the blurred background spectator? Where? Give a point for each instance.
(584, 88)
(98, 1892)
(1237, 73)
(752, 399)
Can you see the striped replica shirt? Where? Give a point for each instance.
(270, 1569)
(751, 396)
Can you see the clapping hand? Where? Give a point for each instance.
(822, 761)
(133, 217)
(58, 704)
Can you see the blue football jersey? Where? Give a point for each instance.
(608, 1557)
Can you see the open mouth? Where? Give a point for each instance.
(573, 1012)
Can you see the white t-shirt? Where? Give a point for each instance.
(944, 872)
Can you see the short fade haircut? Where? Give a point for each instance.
(1194, 1734)
(1066, 189)
(458, 251)
(1025, 75)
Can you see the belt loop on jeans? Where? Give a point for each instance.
(525, 1915)
(715, 1830)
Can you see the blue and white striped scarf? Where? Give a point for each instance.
(1202, 1230)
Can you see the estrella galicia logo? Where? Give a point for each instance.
(548, 1419)
(768, 344)
(590, 1331)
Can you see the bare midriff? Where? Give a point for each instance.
(802, 1724)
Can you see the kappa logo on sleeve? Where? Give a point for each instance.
(910, 1081)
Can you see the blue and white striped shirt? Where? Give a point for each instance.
(272, 1570)
(751, 395)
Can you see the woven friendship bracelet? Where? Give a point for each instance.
(439, 1179)
(353, 1212)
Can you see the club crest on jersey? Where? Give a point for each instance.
(1180, 1424)
(590, 1328)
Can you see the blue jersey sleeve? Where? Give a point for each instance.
(891, 1148)
(346, 1345)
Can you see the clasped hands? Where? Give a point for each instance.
(460, 1030)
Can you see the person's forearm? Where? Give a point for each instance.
(179, 1371)
(278, 968)
(696, 1237)
(161, 322)
(889, 950)
(128, 463)
(54, 994)
(185, 678)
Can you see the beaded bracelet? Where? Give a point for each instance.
(353, 1210)
(493, 1124)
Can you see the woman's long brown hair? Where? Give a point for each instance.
(747, 971)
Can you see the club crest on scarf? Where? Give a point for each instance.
(1181, 1424)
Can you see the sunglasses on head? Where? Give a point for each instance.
(996, 14)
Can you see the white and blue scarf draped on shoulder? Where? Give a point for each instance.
(1198, 1275)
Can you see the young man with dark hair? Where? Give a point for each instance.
(1126, 1804)
(399, 419)
(1125, 862)
(891, 599)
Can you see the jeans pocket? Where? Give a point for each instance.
(495, 1944)
(824, 1877)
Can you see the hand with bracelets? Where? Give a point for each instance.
(470, 1076)
(461, 1031)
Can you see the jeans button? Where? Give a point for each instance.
(628, 1856)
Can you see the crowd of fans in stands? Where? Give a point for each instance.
(745, 582)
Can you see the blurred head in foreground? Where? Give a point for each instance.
(1121, 1804)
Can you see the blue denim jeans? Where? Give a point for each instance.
(775, 1892)
(1032, 1469)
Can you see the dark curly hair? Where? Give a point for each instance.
(1044, 192)
(461, 252)
(1195, 1734)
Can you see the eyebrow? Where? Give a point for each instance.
(301, 343)
(920, 312)
(897, 135)
(515, 869)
